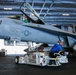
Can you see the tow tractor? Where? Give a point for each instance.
(41, 58)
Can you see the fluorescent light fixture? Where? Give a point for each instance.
(65, 14)
(7, 8)
(54, 24)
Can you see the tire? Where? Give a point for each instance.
(17, 59)
(74, 47)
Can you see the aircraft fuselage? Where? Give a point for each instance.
(20, 31)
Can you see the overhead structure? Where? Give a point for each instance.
(53, 12)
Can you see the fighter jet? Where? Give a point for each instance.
(34, 31)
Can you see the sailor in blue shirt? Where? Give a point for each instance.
(56, 48)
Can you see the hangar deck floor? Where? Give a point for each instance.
(8, 67)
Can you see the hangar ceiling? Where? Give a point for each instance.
(53, 12)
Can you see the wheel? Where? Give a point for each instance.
(17, 59)
(40, 64)
(74, 47)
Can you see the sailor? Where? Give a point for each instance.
(56, 49)
(25, 20)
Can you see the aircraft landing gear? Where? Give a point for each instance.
(17, 59)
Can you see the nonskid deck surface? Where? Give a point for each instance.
(8, 67)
